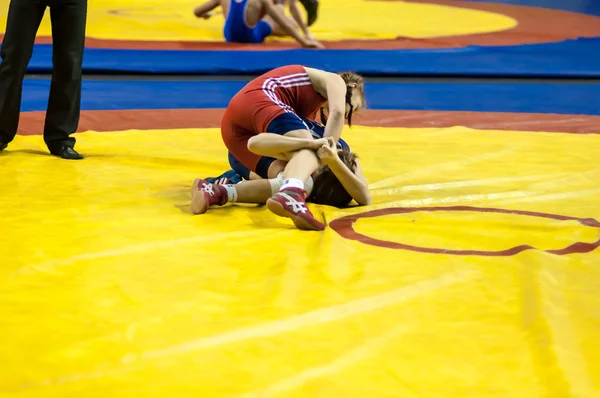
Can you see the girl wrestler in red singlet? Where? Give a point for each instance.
(276, 103)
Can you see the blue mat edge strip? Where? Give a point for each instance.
(481, 97)
(580, 57)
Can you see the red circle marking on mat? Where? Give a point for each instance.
(345, 228)
(32, 123)
(535, 25)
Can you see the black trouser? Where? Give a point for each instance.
(68, 19)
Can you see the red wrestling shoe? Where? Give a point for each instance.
(291, 203)
(205, 195)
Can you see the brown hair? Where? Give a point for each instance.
(327, 189)
(350, 78)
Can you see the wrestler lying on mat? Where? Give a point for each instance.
(277, 103)
(337, 181)
(251, 21)
(272, 167)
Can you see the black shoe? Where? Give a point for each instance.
(312, 9)
(3, 146)
(66, 152)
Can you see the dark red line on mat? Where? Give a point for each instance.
(32, 122)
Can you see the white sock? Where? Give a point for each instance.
(292, 183)
(231, 193)
(276, 183)
(308, 186)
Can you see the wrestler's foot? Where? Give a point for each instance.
(291, 203)
(229, 177)
(205, 195)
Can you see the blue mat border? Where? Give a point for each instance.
(572, 58)
(579, 99)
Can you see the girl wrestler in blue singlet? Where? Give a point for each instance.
(244, 21)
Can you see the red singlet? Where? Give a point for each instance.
(284, 89)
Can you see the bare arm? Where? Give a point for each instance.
(354, 183)
(210, 5)
(278, 146)
(332, 87)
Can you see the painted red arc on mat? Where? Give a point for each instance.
(32, 123)
(345, 227)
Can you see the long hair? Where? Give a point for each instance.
(349, 78)
(327, 189)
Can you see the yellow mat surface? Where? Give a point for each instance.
(338, 19)
(110, 288)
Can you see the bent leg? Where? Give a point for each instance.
(241, 159)
(262, 30)
(290, 200)
(276, 168)
(303, 163)
(238, 167)
(276, 29)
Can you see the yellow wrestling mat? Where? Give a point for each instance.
(110, 288)
(338, 20)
